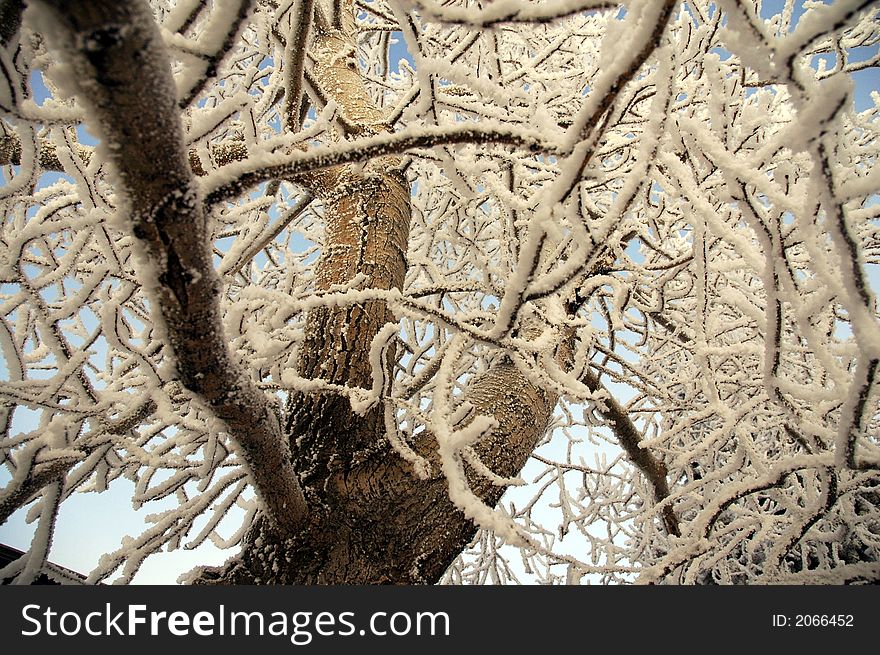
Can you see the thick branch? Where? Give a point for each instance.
(294, 59)
(223, 153)
(541, 12)
(114, 47)
(367, 215)
(437, 530)
(628, 436)
(380, 503)
(248, 174)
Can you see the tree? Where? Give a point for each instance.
(620, 249)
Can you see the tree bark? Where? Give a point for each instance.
(113, 47)
(374, 521)
(380, 523)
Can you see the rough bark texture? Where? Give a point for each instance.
(367, 229)
(380, 524)
(373, 521)
(10, 20)
(114, 47)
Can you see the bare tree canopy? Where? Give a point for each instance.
(558, 292)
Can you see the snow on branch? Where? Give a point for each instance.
(165, 214)
(509, 11)
(237, 178)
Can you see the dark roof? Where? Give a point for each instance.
(49, 574)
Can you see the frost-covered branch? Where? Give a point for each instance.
(509, 11)
(230, 17)
(165, 214)
(243, 176)
(295, 57)
(630, 437)
(38, 474)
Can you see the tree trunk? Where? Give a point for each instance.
(379, 523)
(373, 520)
